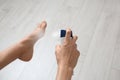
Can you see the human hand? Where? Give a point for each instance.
(67, 53)
(67, 56)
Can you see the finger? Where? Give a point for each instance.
(75, 39)
(57, 47)
(78, 52)
(75, 45)
(68, 34)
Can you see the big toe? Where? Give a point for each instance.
(43, 25)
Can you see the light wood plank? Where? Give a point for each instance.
(96, 22)
(98, 62)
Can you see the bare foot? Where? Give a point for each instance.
(29, 41)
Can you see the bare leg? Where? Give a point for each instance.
(23, 49)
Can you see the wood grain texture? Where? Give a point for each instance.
(96, 22)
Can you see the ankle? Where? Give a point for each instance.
(26, 51)
(27, 42)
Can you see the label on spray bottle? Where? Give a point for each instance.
(60, 35)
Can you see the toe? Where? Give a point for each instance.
(43, 25)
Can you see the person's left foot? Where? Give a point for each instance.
(29, 41)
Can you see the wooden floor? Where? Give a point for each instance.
(96, 22)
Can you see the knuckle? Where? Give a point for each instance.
(78, 53)
(66, 44)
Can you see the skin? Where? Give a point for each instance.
(66, 53)
(22, 50)
(67, 56)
